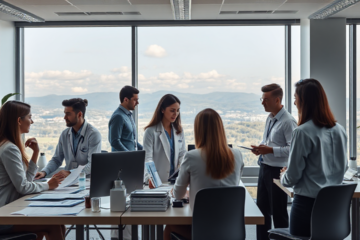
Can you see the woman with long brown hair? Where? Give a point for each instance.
(164, 141)
(211, 164)
(318, 153)
(16, 171)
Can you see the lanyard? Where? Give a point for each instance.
(270, 128)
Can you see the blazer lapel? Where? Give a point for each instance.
(164, 140)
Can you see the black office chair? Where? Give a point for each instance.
(330, 217)
(192, 146)
(19, 236)
(218, 214)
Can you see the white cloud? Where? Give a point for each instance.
(79, 90)
(155, 51)
(168, 75)
(122, 69)
(183, 86)
(63, 75)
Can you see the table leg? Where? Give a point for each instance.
(152, 232)
(79, 232)
(355, 219)
(134, 232)
(87, 232)
(120, 232)
(159, 232)
(145, 232)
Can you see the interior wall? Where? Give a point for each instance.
(7, 58)
(323, 53)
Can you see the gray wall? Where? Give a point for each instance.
(323, 57)
(7, 58)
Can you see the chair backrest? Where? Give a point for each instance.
(192, 146)
(219, 214)
(330, 218)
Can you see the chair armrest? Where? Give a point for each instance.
(19, 236)
(175, 236)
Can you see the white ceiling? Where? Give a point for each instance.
(161, 9)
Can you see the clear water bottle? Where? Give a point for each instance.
(82, 181)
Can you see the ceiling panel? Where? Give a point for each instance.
(207, 1)
(253, 1)
(38, 2)
(147, 2)
(99, 2)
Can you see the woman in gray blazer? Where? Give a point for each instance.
(318, 153)
(211, 164)
(164, 141)
(17, 172)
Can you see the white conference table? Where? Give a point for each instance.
(149, 220)
(355, 206)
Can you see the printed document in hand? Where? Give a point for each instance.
(65, 203)
(72, 178)
(54, 197)
(48, 211)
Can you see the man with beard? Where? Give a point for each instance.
(76, 144)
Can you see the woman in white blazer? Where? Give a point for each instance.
(164, 141)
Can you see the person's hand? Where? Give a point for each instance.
(62, 174)
(54, 182)
(151, 186)
(262, 149)
(33, 144)
(40, 175)
(282, 171)
(254, 151)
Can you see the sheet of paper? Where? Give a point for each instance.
(65, 190)
(49, 211)
(72, 178)
(65, 203)
(44, 197)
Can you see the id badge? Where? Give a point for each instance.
(73, 165)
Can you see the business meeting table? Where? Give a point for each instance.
(149, 220)
(355, 207)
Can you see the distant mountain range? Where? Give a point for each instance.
(109, 101)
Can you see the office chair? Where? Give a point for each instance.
(330, 217)
(192, 146)
(218, 214)
(19, 236)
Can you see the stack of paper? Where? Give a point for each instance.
(58, 197)
(48, 211)
(65, 203)
(149, 201)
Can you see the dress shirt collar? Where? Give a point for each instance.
(127, 112)
(278, 115)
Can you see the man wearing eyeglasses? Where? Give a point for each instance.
(273, 153)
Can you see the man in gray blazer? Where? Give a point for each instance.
(76, 144)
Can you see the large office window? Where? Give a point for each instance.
(63, 63)
(222, 68)
(295, 65)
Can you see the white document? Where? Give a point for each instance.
(65, 190)
(49, 211)
(72, 178)
(45, 197)
(65, 203)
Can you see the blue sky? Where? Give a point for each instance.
(186, 59)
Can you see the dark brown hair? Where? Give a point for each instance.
(127, 92)
(9, 129)
(313, 104)
(166, 101)
(78, 105)
(210, 137)
(275, 89)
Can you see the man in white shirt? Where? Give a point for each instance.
(273, 154)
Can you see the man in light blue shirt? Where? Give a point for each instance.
(273, 153)
(122, 128)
